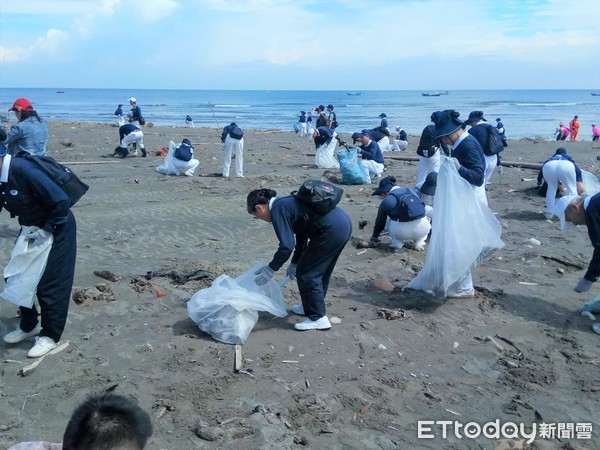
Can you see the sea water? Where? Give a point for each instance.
(525, 113)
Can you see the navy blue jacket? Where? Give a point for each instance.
(390, 207)
(126, 129)
(302, 118)
(384, 123)
(470, 156)
(325, 136)
(578, 175)
(403, 136)
(288, 217)
(480, 133)
(372, 151)
(592, 220)
(136, 114)
(33, 197)
(500, 126)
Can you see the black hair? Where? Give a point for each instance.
(259, 197)
(26, 113)
(105, 421)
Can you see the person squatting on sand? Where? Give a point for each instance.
(30, 134)
(316, 244)
(130, 134)
(104, 421)
(560, 167)
(403, 214)
(43, 211)
(595, 132)
(232, 141)
(371, 162)
(401, 142)
(467, 156)
(179, 160)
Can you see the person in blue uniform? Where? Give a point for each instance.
(384, 120)
(38, 202)
(135, 114)
(232, 142)
(130, 134)
(559, 168)
(479, 131)
(120, 115)
(30, 134)
(314, 245)
(371, 162)
(467, 156)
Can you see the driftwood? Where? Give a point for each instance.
(564, 262)
(28, 370)
(76, 163)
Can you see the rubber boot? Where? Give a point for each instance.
(144, 154)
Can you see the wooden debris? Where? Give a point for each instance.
(362, 252)
(527, 283)
(365, 244)
(493, 341)
(107, 275)
(383, 284)
(29, 369)
(564, 262)
(237, 358)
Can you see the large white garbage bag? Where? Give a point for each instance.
(464, 232)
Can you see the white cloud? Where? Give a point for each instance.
(152, 10)
(10, 54)
(50, 44)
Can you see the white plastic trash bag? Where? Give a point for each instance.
(349, 167)
(25, 269)
(167, 167)
(228, 310)
(591, 185)
(324, 158)
(464, 232)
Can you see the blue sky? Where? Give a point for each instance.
(300, 44)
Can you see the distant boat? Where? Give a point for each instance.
(596, 94)
(60, 92)
(434, 93)
(353, 93)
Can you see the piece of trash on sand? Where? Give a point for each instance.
(527, 283)
(383, 284)
(391, 314)
(335, 320)
(107, 275)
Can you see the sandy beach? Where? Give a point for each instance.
(365, 383)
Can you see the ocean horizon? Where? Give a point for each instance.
(525, 113)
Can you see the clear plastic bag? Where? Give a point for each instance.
(25, 269)
(228, 310)
(591, 185)
(349, 168)
(464, 232)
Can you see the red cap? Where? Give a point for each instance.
(20, 104)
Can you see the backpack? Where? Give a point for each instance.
(411, 205)
(236, 132)
(184, 152)
(61, 175)
(322, 197)
(494, 141)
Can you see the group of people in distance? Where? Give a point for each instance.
(571, 131)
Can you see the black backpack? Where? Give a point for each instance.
(185, 151)
(322, 197)
(411, 205)
(236, 132)
(494, 142)
(60, 174)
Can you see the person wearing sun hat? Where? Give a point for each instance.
(384, 121)
(467, 156)
(30, 134)
(135, 114)
(48, 229)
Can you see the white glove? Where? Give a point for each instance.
(456, 163)
(291, 271)
(38, 236)
(583, 285)
(265, 273)
(222, 145)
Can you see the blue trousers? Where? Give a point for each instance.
(54, 289)
(318, 260)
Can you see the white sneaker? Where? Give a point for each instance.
(466, 293)
(548, 215)
(298, 309)
(321, 324)
(18, 335)
(43, 344)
